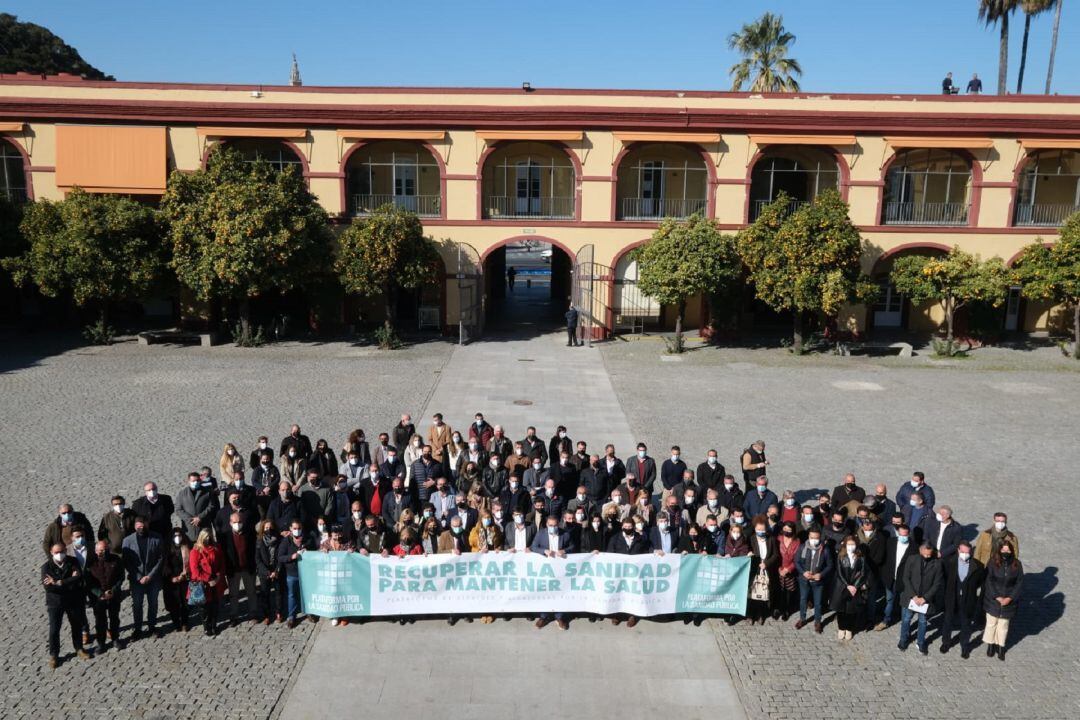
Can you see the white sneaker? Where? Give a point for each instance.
(334, 622)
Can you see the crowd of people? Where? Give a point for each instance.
(870, 558)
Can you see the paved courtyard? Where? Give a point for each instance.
(83, 423)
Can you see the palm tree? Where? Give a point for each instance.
(765, 65)
(997, 12)
(1031, 8)
(1053, 45)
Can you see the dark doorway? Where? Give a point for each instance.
(540, 292)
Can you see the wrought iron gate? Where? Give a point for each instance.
(470, 281)
(583, 284)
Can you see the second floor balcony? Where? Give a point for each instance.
(498, 207)
(1044, 214)
(528, 180)
(926, 213)
(422, 205)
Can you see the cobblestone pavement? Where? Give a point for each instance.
(83, 424)
(987, 440)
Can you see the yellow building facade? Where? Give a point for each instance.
(590, 171)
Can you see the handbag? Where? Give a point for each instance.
(196, 594)
(759, 589)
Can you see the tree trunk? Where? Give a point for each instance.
(1003, 56)
(1076, 330)
(950, 308)
(1023, 55)
(1053, 45)
(390, 305)
(245, 318)
(103, 315)
(797, 332)
(678, 326)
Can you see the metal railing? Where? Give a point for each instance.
(654, 209)
(422, 205)
(545, 208)
(758, 206)
(632, 309)
(935, 213)
(1044, 215)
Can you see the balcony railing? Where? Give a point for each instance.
(422, 205)
(910, 213)
(758, 206)
(1045, 215)
(499, 207)
(649, 209)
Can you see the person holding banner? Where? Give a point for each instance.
(337, 543)
(553, 543)
(290, 551)
(628, 542)
(371, 539)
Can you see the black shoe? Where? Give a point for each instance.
(965, 653)
(902, 646)
(119, 644)
(1001, 653)
(156, 634)
(137, 635)
(990, 650)
(451, 621)
(100, 648)
(924, 650)
(208, 632)
(944, 648)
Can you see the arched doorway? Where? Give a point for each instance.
(892, 311)
(541, 288)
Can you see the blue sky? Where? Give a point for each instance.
(843, 45)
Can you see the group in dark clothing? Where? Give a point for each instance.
(870, 559)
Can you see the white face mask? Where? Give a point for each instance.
(262, 446)
(118, 508)
(663, 526)
(964, 557)
(581, 497)
(176, 539)
(58, 557)
(235, 527)
(790, 502)
(814, 542)
(322, 528)
(639, 527)
(596, 525)
(736, 536)
(851, 549)
(688, 499)
(728, 486)
(536, 466)
(615, 498)
(357, 515)
(519, 452)
(579, 517)
(296, 532)
(712, 461)
(292, 454)
(674, 458)
(641, 454)
(999, 526)
(562, 435)
(938, 516)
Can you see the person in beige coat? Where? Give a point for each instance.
(438, 436)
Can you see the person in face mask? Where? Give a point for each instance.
(290, 552)
(813, 568)
(565, 474)
(663, 538)
(672, 472)
(494, 479)
(872, 544)
(581, 501)
(230, 463)
(518, 534)
(144, 557)
(156, 507)
(265, 479)
(847, 492)
(196, 506)
(534, 446)
(715, 533)
(560, 443)
(787, 543)
(270, 579)
(1001, 595)
(237, 543)
(764, 565)
(293, 466)
(104, 578)
(963, 578)
(64, 596)
(710, 473)
(899, 549)
(439, 435)
(553, 502)
(849, 588)
(262, 447)
(916, 485)
(176, 574)
(922, 586)
(758, 502)
(552, 542)
(989, 540)
(116, 523)
(627, 541)
(60, 529)
(731, 495)
(643, 468)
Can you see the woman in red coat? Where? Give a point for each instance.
(207, 565)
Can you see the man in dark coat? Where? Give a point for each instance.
(156, 508)
(710, 474)
(65, 522)
(143, 556)
(943, 532)
(923, 583)
(628, 542)
(64, 595)
(296, 440)
(963, 579)
(610, 473)
(104, 577)
(571, 326)
(404, 431)
(899, 549)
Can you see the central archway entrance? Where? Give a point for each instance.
(536, 299)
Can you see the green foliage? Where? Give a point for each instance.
(684, 259)
(386, 251)
(953, 280)
(100, 247)
(1052, 274)
(247, 336)
(100, 333)
(241, 229)
(808, 260)
(31, 48)
(387, 338)
(765, 65)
